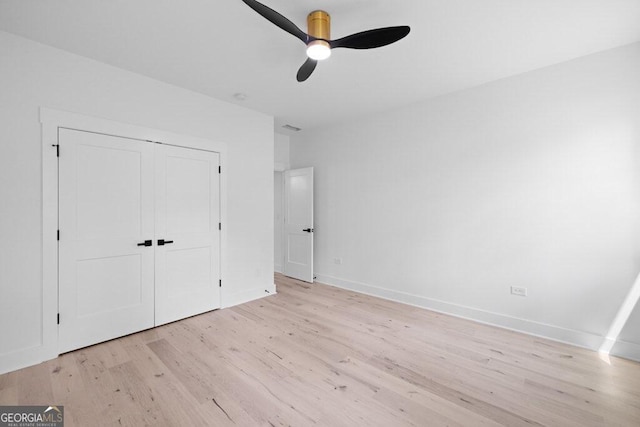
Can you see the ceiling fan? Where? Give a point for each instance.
(318, 39)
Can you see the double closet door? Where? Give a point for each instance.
(139, 242)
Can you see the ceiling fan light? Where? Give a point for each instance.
(318, 50)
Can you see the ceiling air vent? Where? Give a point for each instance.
(292, 128)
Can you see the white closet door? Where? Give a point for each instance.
(187, 218)
(106, 280)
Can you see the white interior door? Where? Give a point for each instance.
(106, 210)
(187, 221)
(298, 223)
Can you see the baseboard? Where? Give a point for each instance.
(543, 330)
(248, 295)
(626, 349)
(24, 358)
(278, 269)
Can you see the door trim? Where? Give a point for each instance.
(51, 120)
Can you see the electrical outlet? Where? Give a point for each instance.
(337, 261)
(517, 290)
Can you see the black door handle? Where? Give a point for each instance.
(162, 242)
(146, 243)
(308, 230)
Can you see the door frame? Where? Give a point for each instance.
(51, 120)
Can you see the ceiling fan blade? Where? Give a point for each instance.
(307, 68)
(371, 38)
(277, 19)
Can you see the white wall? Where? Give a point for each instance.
(281, 163)
(278, 222)
(529, 181)
(33, 75)
(281, 152)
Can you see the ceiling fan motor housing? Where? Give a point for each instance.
(319, 27)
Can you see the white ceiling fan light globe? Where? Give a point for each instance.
(318, 50)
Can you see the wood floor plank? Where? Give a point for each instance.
(36, 387)
(318, 355)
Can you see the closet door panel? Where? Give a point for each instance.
(106, 281)
(187, 217)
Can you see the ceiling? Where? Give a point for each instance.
(222, 47)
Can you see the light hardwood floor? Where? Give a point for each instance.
(318, 355)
